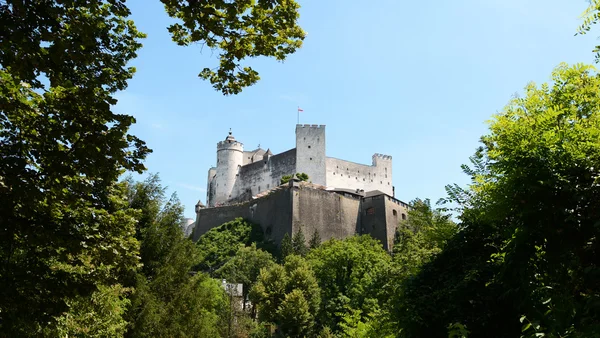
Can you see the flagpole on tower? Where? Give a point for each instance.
(299, 110)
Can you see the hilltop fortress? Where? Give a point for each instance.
(342, 198)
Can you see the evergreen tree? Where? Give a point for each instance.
(315, 240)
(164, 285)
(287, 247)
(299, 243)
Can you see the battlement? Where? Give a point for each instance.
(310, 126)
(383, 157)
(229, 144)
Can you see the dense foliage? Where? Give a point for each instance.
(164, 285)
(352, 274)
(221, 243)
(83, 254)
(66, 233)
(526, 261)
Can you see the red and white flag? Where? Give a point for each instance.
(300, 109)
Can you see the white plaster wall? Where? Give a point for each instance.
(229, 159)
(310, 152)
(265, 174)
(248, 156)
(350, 175)
(210, 189)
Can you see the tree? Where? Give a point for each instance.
(66, 233)
(287, 247)
(352, 274)
(590, 17)
(164, 285)
(245, 268)
(238, 30)
(299, 243)
(220, 244)
(315, 240)
(288, 296)
(302, 177)
(525, 262)
(65, 230)
(420, 237)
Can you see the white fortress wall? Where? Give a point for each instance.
(264, 174)
(351, 175)
(310, 152)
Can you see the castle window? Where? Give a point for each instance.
(375, 175)
(385, 175)
(259, 188)
(403, 216)
(371, 181)
(370, 211)
(334, 173)
(394, 212)
(308, 147)
(380, 182)
(363, 179)
(311, 158)
(385, 169)
(268, 185)
(356, 178)
(388, 183)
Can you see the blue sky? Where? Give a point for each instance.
(416, 80)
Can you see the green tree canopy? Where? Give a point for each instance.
(237, 30)
(65, 229)
(288, 296)
(286, 246)
(299, 243)
(423, 234)
(164, 285)
(245, 267)
(220, 244)
(352, 274)
(525, 261)
(315, 240)
(590, 17)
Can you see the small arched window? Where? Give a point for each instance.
(394, 212)
(403, 216)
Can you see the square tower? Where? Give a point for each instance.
(310, 152)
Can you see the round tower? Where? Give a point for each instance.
(230, 157)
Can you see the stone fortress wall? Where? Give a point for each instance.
(342, 198)
(240, 174)
(350, 175)
(310, 207)
(263, 175)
